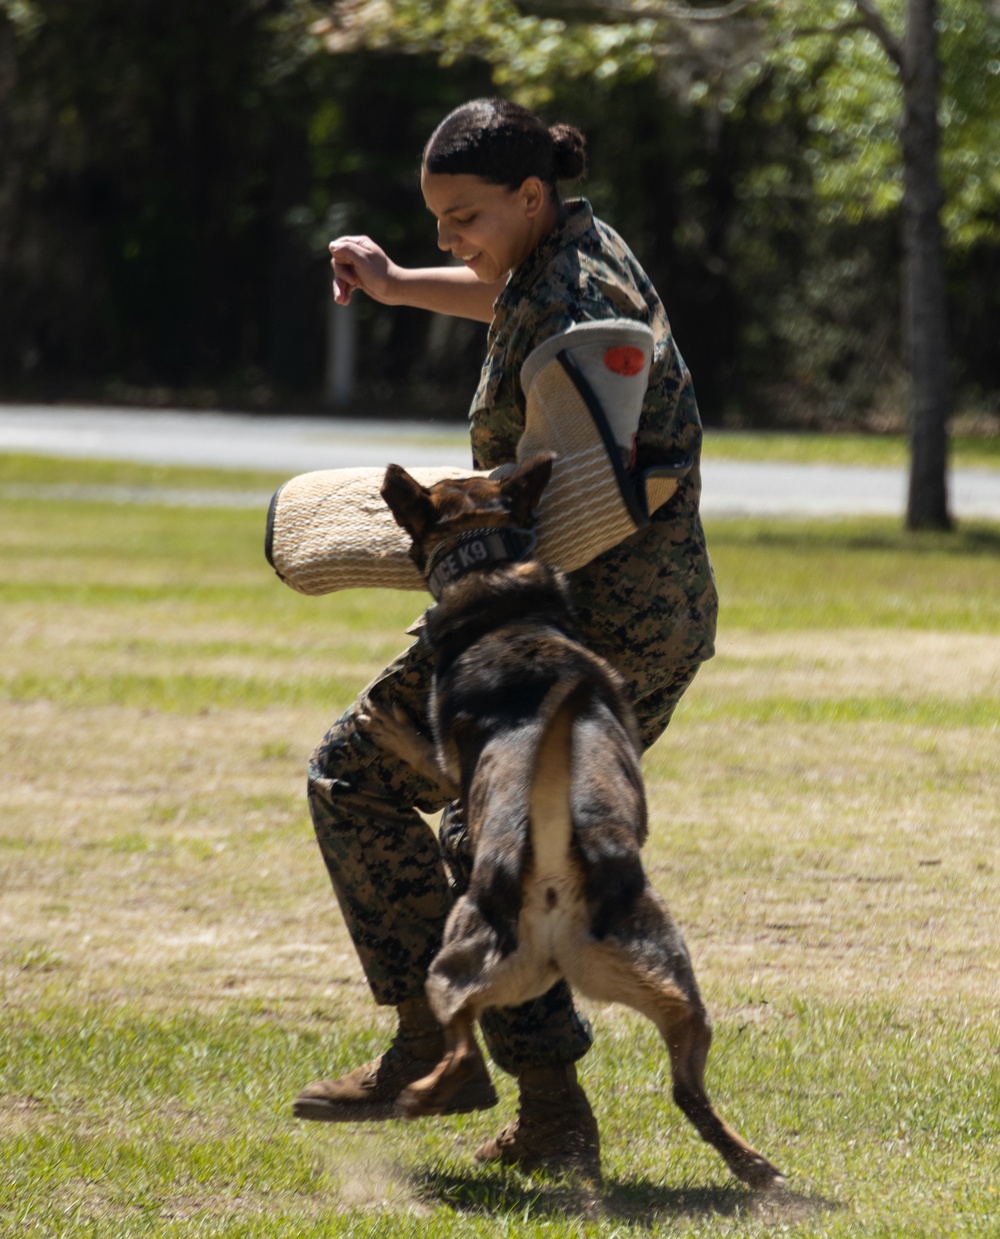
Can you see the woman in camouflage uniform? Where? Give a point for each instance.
(533, 265)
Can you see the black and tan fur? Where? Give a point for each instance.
(533, 732)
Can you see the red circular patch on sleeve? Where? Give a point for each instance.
(625, 359)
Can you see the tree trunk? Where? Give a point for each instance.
(925, 301)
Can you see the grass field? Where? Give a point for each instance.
(826, 816)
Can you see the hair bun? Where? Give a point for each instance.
(569, 152)
(503, 143)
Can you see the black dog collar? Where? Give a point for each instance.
(473, 552)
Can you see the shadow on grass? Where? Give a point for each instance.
(635, 1202)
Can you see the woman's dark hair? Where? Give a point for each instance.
(503, 143)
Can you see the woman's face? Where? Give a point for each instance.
(489, 227)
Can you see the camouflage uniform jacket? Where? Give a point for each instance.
(649, 604)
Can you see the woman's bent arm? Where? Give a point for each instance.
(359, 263)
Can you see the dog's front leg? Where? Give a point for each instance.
(398, 734)
(462, 1061)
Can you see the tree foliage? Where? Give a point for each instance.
(805, 100)
(822, 58)
(520, 45)
(830, 56)
(169, 177)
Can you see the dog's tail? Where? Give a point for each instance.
(581, 821)
(550, 807)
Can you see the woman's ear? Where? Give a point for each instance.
(534, 195)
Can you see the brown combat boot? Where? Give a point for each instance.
(555, 1128)
(369, 1093)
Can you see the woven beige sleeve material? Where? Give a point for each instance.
(589, 505)
(331, 530)
(582, 511)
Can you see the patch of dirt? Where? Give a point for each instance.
(169, 859)
(865, 662)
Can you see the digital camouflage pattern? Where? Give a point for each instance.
(649, 603)
(648, 606)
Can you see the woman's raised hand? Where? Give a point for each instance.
(359, 263)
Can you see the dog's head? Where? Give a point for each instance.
(439, 514)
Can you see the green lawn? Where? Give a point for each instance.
(825, 814)
(889, 450)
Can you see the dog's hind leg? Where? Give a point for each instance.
(688, 1035)
(644, 965)
(462, 1061)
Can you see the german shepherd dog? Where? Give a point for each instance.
(534, 734)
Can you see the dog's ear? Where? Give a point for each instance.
(409, 502)
(523, 488)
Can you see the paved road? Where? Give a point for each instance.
(289, 444)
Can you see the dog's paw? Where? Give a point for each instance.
(390, 730)
(758, 1173)
(394, 731)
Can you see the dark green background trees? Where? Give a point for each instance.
(170, 174)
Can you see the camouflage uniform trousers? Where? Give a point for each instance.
(396, 881)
